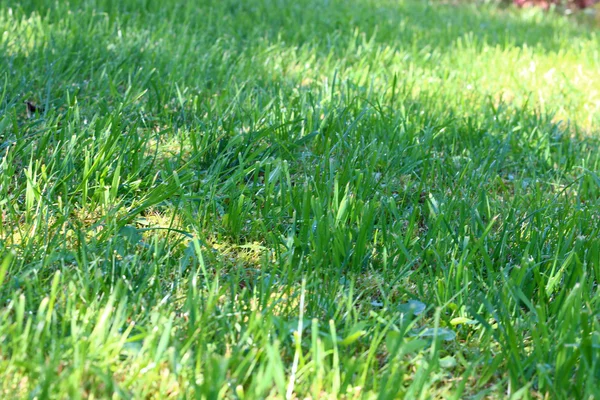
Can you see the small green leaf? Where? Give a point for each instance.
(448, 362)
(131, 234)
(393, 339)
(414, 345)
(3, 124)
(352, 338)
(4, 266)
(412, 307)
(463, 320)
(442, 333)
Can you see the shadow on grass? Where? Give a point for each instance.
(399, 23)
(139, 36)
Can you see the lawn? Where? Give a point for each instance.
(298, 199)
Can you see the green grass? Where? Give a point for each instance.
(313, 198)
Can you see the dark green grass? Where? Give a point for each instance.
(277, 199)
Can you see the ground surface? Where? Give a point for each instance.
(307, 198)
